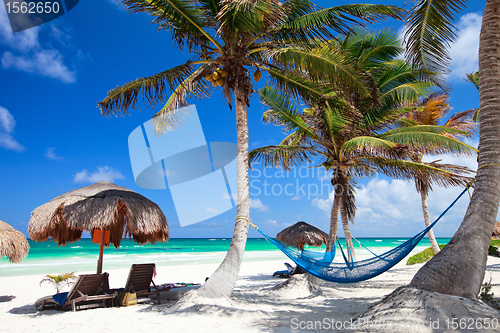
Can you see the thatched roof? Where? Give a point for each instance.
(101, 205)
(302, 233)
(13, 244)
(496, 230)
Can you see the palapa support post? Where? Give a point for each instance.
(101, 250)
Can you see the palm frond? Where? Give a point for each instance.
(317, 24)
(407, 170)
(429, 31)
(370, 50)
(298, 85)
(283, 111)
(334, 123)
(210, 8)
(455, 176)
(249, 17)
(282, 156)
(185, 19)
(431, 143)
(367, 145)
(326, 62)
(407, 92)
(423, 129)
(170, 116)
(153, 89)
(431, 109)
(464, 121)
(473, 78)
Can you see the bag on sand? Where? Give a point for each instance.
(127, 297)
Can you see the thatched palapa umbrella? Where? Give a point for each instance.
(302, 233)
(496, 230)
(13, 244)
(101, 206)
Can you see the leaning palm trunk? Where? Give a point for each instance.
(223, 280)
(351, 256)
(334, 217)
(427, 220)
(459, 268)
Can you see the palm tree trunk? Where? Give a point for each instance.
(334, 217)
(427, 220)
(347, 235)
(459, 268)
(223, 280)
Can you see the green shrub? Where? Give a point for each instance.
(494, 249)
(423, 256)
(487, 296)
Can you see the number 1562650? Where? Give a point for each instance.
(32, 7)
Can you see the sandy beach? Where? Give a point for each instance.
(254, 307)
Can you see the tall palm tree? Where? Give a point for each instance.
(229, 40)
(355, 136)
(431, 110)
(459, 268)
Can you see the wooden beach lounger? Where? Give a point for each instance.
(87, 289)
(140, 279)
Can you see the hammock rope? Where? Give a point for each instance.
(321, 265)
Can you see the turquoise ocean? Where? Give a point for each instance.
(47, 258)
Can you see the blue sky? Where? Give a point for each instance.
(53, 138)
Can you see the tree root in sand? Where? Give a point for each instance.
(191, 300)
(298, 286)
(409, 309)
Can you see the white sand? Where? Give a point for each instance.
(252, 310)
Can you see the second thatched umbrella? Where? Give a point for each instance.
(13, 244)
(302, 233)
(496, 230)
(101, 206)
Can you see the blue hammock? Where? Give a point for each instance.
(320, 264)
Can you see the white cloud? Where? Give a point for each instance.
(273, 222)
(44, 62)
(233, 196)
(52, 155)
(8, 142)
(103, 173)
(212, 210)
(21, 41)
(470, 163)
(324, 204)
(257, 204)
(7, 124)
(28, 55)
(297, 197)
(464, 51)
(395, 206)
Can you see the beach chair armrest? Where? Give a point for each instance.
(100, 297)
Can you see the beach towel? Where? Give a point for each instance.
(60, 298)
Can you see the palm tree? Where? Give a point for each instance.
(229, 40)
(431, 110)
(459, 268)
(355, 137)
(60, 281)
